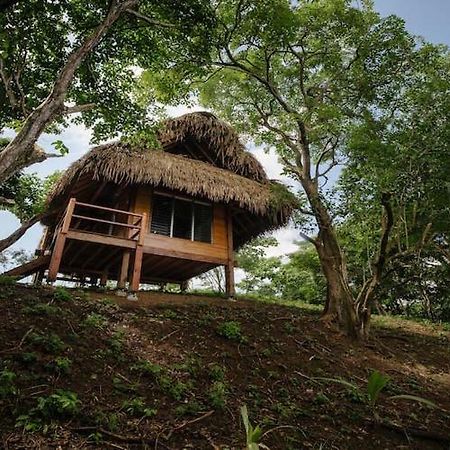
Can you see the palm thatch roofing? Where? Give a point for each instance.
(216, 168)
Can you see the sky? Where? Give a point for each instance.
(427, 18)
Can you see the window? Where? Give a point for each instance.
(181, 218)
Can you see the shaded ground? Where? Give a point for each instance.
(171, 372)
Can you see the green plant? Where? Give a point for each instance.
(96, 321)
(176, 389)
(6, 280)
(28, 422)
(169, 314)
(188, 409)
(147, 368)
(7, 387)
(41, 309)
(375, 384)
(60, 364)
(52, 343)
(136, 407)
(216, 372)
(253, 435)
(217, 394)
(60, 404)
(231, 330)
(108, 420)
(29, 357)
(62, 295)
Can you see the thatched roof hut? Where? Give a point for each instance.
(204, 195)
(200, 156)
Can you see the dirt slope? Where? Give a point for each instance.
(171, 372)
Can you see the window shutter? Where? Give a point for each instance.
(161, 215)
(202, 222)
(182, 219)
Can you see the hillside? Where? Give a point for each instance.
(91, 370)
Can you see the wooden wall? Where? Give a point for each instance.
(216, 252)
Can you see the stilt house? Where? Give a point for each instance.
(141, 215)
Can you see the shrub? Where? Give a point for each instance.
(217, 394)
(60, 404)
(7, 387)
(216, 372)
(62, 295)
(96, 321)
(41, 309)
(147, 368)
(231, 330)
(60, 365)
(52, 343)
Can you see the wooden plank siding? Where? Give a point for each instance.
(216, 252)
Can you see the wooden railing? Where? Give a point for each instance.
(73, 226)
(132, 227)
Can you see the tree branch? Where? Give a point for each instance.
(78, 108)
(149, 20)
(16, 235)
(17, 153)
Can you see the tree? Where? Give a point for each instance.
(303, 77)
(260, 271)
(417, 148)
(62, 58)
(301, 278)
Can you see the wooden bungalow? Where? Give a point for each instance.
(141, 215)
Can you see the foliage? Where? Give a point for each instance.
(62, 295)
(60, 364)
(375, 384)
(217, 394)
(330, 82)
(231, 330)
(51, 342)
(96, 321)
(253, 435)
(36, 42)
(7, 387)
(28, 191)
(60, 404)
(136, 407)
(259, 270)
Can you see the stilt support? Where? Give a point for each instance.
(229, 267)
(58, 249)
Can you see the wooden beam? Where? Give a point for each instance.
(36, 265)
(229, 267)
(58, 249)
(137, 266)
(183, 255)
(123, 274)
(138, 255)
(101, 239)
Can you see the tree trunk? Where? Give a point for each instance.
(365, 299)
(339, 306)
(19, 153)
(16, 235)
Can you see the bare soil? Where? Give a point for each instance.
(198, 375)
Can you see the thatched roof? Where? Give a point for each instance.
(236, 177)
(216, 138)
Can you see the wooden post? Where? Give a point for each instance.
(229, 267)
(58, 249)
(103, 279)
(123, 275)
(138, 254)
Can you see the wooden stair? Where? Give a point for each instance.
(30, 267)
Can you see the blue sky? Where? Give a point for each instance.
(427, 18)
